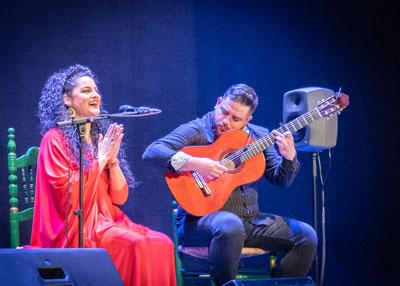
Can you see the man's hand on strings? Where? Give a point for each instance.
(285, 144)
(206, 167)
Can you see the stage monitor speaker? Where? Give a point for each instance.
(319, 135)
(57, 266)
(299, 281)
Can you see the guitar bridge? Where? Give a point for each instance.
(201, 184)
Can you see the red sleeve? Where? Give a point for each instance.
(48, 228)
(55, 158)
(119, 197)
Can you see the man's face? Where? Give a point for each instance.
(230, 115)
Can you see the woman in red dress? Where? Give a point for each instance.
(142, 256)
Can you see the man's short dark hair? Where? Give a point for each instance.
(244, 94)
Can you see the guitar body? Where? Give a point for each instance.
(188, 194)
(245, 166)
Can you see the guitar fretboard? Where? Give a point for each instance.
(268, 140)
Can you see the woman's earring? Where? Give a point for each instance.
(71, 112)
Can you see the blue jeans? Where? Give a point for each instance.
(225, 234)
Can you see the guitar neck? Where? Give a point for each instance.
(268, 140)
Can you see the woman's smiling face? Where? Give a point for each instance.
(85, 98)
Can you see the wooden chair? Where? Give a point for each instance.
(201, 252)
(22, 174)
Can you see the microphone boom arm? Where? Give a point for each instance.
(141, 111)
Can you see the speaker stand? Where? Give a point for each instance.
(314, 183)
(319, 281)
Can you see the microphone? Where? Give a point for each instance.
(141, 109)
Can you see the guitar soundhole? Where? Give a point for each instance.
(231, 161)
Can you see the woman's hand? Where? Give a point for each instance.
(108, 151)
(109, 144)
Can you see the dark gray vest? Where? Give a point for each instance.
(243, 202)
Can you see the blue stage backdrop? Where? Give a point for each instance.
(179, 56)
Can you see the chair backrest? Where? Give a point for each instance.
(22, 175)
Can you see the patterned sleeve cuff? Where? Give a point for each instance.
(290, 165)
(179, 159)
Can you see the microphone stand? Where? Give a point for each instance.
(79, 212)
(81, 125)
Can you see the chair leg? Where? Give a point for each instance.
(178, 266)
(178, 260)
(272, 265)
(14, 229)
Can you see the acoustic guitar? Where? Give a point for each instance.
(242, 156)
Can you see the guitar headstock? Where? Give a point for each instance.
(333, 105)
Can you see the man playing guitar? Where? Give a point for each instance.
(235, 220)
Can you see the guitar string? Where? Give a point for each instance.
(254, 148)
(296, 124)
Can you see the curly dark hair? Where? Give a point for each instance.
(52, 109)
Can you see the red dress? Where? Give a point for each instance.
(142, 256)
